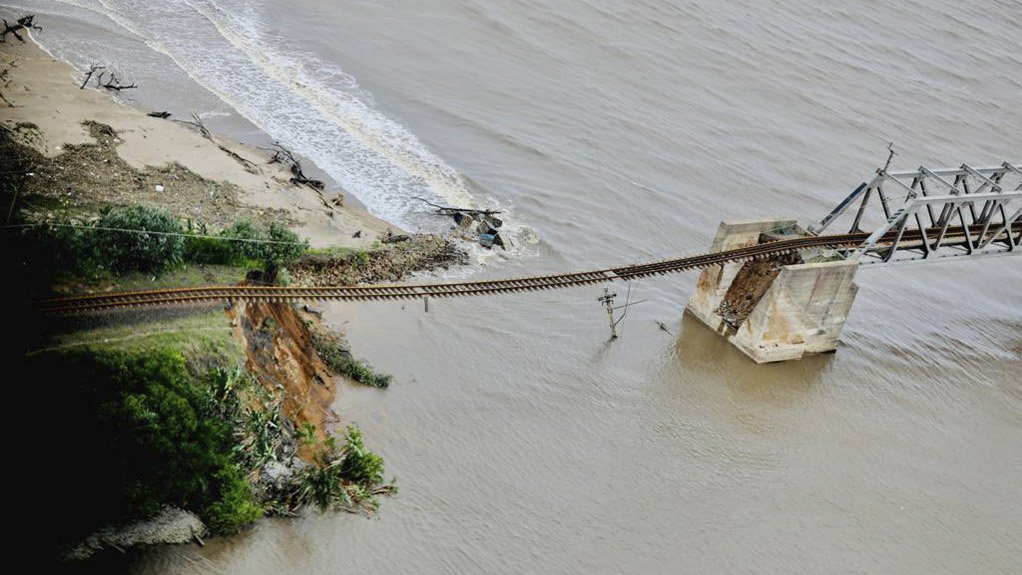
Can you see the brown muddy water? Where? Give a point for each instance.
(614, 133)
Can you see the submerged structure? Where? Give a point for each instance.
(795, 303)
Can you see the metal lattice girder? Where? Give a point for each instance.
(984, 202)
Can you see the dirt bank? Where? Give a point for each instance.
(280, 353)
(390, 263)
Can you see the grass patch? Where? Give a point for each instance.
(339, 361)
(185, 276)
(332, 251)
(204, 339)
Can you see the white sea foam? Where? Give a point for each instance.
(312, 106)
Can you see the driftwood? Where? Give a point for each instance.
(484, 222)
(23, 23)
(450, 211)
(663, 326)
(160, 115)
(88, 75)
(204, 131)
(284, 156)
(5, 77)
(395, 238)
(113, 83)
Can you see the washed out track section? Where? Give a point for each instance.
(455, 289)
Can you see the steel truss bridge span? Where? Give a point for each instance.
(903, 239)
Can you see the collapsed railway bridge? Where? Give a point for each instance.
(899, 218)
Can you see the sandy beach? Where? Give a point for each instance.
(43, 92)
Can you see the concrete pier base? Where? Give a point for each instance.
(773, 314)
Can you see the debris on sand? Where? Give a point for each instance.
(482, 226)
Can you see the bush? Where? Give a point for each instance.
(129, 251)
(244, 230)
(341, 363)
(202, 250)
(349, 477)
(147, 434)
(34, 257)
(235, 506)
(359, 464)
(290, 248)
(361, 372)
(228, 250)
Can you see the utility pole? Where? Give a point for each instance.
(607, 299)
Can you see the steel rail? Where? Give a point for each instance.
(459, 289)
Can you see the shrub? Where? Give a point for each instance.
(359, 464)
(235, 246)
(150, 434)
(348, 477)
(36, 256)
(341, 363)
(288, 249)
(244, 230)
(235, 507)
(129, 251)
(361, 372)
(203, 250)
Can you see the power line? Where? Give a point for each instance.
(127, 230)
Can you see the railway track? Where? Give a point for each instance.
(458, 289)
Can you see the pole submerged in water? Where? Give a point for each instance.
(607, 299)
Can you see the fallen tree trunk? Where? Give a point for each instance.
(88, 75)
(285, 156)
(204, 131)
(23, 23)
(114, 83)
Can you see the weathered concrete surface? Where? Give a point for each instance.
(715, 280)
(801, 312)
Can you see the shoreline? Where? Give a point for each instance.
(77, 153)
(38, 91)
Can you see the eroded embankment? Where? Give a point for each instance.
(281, 354)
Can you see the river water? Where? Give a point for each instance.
(614, 133)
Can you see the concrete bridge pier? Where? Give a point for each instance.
(779, 309)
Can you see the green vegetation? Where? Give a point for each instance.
(331, 251)
(359, 371)
(245, 242)
(340, 362)
(150, 432)
(147, 433)
(160, 417)
(132, 251)
(349, 477)
(96, 252)
(204, 339)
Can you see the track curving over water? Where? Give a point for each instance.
(78, 304)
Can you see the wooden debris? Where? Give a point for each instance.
(88, 75)
(23, 23)
(113, 83)
(204, 131)
(481, 225)
(285, 156)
